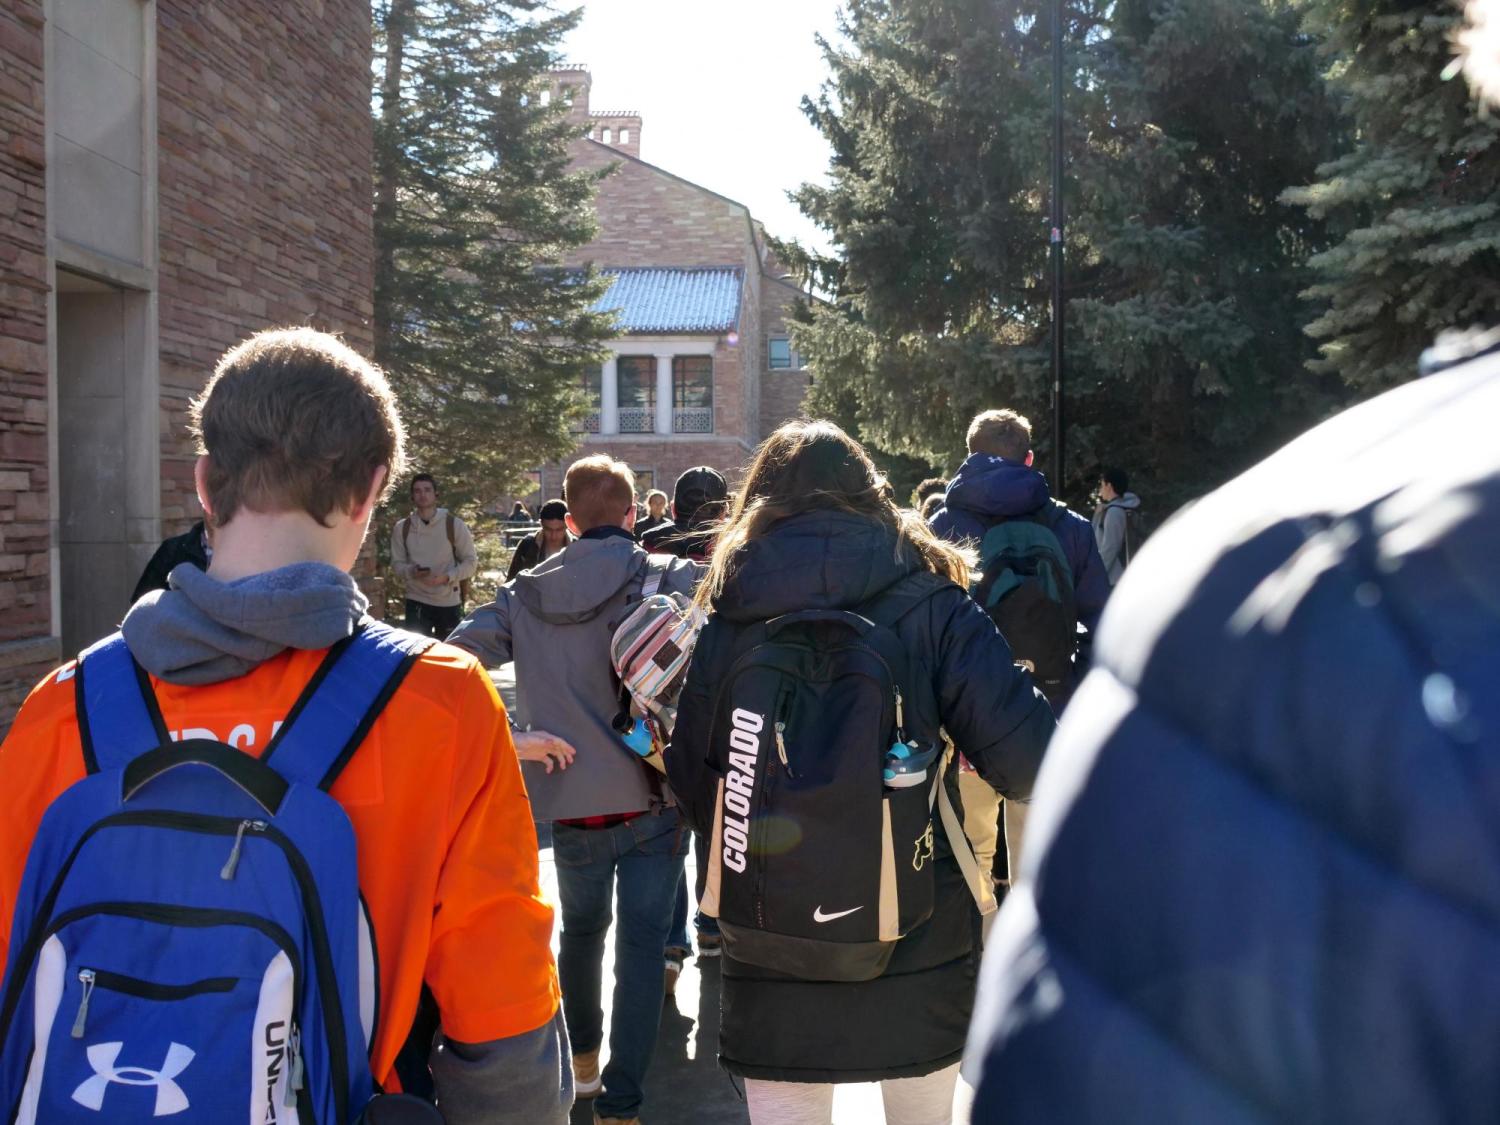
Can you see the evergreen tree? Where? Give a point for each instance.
(1416, 193)
(1185, 361)
(485, 346)
(1187, 327)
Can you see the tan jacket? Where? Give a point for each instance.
(426, 544)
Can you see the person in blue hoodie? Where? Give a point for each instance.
(997, 483)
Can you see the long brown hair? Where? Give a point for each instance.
(813, 466)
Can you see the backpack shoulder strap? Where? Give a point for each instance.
(452, 544)
(405, 526)
(118, 717)
(341, 703)
(1048, 515)
(655, 573)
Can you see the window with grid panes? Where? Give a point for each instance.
(692, 380)
(637, 376)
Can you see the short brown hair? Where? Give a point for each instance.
(599, 491)
(1000, 433)
(295, 419)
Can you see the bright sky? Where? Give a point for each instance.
(719, 85)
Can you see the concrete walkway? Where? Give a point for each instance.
(686, 1086)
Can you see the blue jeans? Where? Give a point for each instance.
(678, 939)
(644, 856)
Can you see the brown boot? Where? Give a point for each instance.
(617, 1121)
(586, 1080)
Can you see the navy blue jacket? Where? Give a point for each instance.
(1262, 874)
(987, 489)
(913, 1019)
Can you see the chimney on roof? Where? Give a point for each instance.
(571, 85)
(617, 130)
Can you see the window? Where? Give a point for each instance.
(609, 136)
(593, 389)
(693, 394)
(546, 97)
(637, 395)
(781, 354)
(624, 136)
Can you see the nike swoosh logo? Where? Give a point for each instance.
(819, 916)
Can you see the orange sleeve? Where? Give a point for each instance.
(39, 758)
(490, 963)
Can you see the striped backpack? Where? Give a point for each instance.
(650, 652)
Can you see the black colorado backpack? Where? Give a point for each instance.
(816, 867)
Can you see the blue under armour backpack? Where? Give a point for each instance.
(189, 941)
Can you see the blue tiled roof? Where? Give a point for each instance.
(669, 301)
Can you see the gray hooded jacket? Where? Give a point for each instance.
(555, 622)
(1109, 531)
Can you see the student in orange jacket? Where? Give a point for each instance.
(298, 438)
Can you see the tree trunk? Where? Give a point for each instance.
(387, 170)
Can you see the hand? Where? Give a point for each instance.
(539, 746)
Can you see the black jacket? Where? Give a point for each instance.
(686, 541)
(912, 1020)
(187, 547)
(527, 554)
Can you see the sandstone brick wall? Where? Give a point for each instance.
(26, 650)
(265, 150)
(625, 124)
(648, 217)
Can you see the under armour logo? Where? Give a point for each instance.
(169, 1096)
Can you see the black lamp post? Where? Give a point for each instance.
(1057, 245)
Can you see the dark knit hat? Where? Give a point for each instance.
(697, 487)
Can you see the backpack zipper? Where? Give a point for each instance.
(146, 990)
(295, 1080)
(783, 705)
(239, 838)
(86, 978)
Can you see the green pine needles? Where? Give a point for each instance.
(1414, 197)
(1217, 305)
(485, 345)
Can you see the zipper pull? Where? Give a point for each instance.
(900, 719)
(86, 978)
(295, 1082)
(781, 748)
(233, 863)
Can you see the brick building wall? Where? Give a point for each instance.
(26, 651)
(648, 217)
(265, 152)
(782, 392)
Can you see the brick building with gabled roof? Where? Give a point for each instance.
(703, 368)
